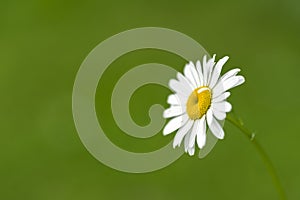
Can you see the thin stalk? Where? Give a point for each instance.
(268, 163)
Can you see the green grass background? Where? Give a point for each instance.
(42, 44)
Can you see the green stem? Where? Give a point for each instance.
(261, 152)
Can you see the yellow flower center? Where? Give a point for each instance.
(198, 102)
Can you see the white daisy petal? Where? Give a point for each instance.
(221, 97)
(188, 73)
(182, 99)
(210, 64)
(200, 72)
(209, 116)
(230, 73)
(229, 83)
(214, 125)
(182, 132)
(175, 124)
(194, 132)
(173, 99)
(222, 106)
(217, 71)
(183, 80)
(173, 111)
(233, 82)
(186, 141)
(178, 87)
(205, 70)
(201, 134)
(195, 74)
(217, 91)
(219, 115)
(191, 151)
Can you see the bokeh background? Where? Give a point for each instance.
(43, 43)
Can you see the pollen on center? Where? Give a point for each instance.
(198, 102)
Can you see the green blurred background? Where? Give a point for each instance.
(43, 43)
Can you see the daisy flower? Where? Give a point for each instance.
(199, 102)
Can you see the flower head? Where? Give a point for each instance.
(199, 102)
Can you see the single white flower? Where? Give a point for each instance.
(199, 101)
